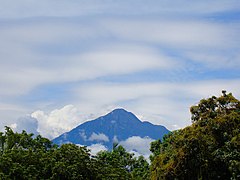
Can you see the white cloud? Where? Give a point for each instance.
(138, 144)
(10, 113)
(215, 60)
(126, 58)
(93, 93)
(28, 124)
(61, 8)
(95, 148)
(13, 126)
(58, 121)
(48, 50)
(98, 137)
(182, 34)
(35, 66)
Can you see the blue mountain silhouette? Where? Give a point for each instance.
(116, 126)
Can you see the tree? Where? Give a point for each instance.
(140, 169)
(25, 157)
(155, 148)
(208, 149)
(215, 107)
(120, 164)
(71, 162)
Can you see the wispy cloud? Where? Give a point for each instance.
(153, 58)
(184, 34)
(131, 7)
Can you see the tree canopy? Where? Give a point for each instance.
(25, 157)
(119, 164)
(208, 149)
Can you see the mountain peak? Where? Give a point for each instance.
(118, 124)
(119, 110)
(121, 115)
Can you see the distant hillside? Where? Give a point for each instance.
(116, 126)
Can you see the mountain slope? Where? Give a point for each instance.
(118, 125)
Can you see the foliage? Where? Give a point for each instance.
(25, 157)
(215, 107)
(208, 149)
(119, 164)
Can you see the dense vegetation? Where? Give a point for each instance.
(25, 157)
(208, 149)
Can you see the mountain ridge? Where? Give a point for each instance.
(118, 125)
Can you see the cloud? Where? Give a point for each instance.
(37, 62)
(83, 135)
(58, 121)
(126, 58)
(58, 8)
(98, 137)
(28, 124)
(112, 91)
(215, 60)
(10, 114)
(182, 34)
(95, 148)
(64, 50)
(137, 144)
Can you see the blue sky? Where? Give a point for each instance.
(65, 62)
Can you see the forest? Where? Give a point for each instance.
(207, 149)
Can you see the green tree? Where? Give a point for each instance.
(25, 157)
(140, 169)
(155, 148)
(215, 107)
(120, 164)
(71, 162)
(208, 149)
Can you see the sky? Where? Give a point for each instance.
(65, 62)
